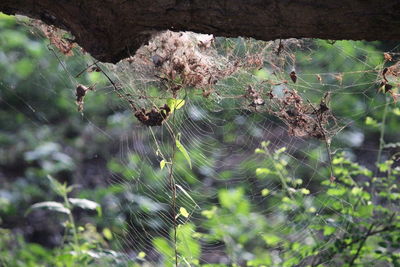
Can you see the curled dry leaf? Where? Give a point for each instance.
(80, 93)
(387, 57)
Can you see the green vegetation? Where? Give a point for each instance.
(214, 187)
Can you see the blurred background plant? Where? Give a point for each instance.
(269, 207)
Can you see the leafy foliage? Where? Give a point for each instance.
(71, 194)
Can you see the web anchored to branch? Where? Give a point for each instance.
(233, 140)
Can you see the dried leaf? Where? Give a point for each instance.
(293, 76)
(387, 57)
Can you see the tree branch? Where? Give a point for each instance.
(111, 30)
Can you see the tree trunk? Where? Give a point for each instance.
(112, 30)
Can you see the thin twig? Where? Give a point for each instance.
(80, 73)
(382, 133)
(368, 234)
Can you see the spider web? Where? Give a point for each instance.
(223, 127)
(225, 117)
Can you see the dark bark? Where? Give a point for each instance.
(112, 29)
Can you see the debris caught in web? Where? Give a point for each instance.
(80, 93)
(255, 97)
(154, 117)
(56, 37)
(302, 118)
(293, 76)
(389, 74)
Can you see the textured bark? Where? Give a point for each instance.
(112, 29)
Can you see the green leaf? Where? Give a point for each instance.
(162, 164)
(184, 152)
(164, 248)
(305, 191)
(259, 151)
(60, 189)
(356, 191)
(187, 246)
(336, 191)
(264, 192)
(262, 172)
(328, 230)
(49, 205)
(175, 104)
(209, 213)
(396, 111)
(85, 204)
(271, 239)
(366, 211)
(186, 194)
(371, 122)
(183, 212)
(107, 233)
(141, 255)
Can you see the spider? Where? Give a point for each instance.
(154, 117)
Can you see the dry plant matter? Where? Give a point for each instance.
(302, 118)
(389, 77)
(179, 60)
(184, 59)
(56, 37)
(153, 117)
(80, 93)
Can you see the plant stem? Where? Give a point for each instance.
(171, 181)
(173, 200)
(73, 226)
(382, 133)
(361, 245)
(280, 175)
(173, 204)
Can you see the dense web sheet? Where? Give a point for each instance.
(222, 124)
(236, 106)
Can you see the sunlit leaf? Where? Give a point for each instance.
(328, 230)
(141, 255)
(162, 164)
(184, 212)
(50, 205)
(85, 204)
(371, 122)
(336, 191)
(184, 152)
(264, 192)
(175, 104)
(305, 191)
(107, 233)
(186, 194)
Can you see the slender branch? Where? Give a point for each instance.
(85, 69)
(173, 190)
(280, 175)
(73, 225)
(382, 132)
(361, 245)
(343, 245)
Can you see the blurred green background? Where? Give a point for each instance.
(235, 209)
